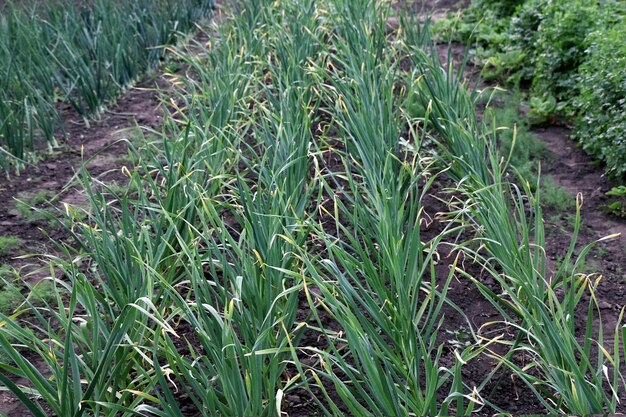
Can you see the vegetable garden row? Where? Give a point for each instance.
(275, 238)
(79, 53)
(571, 54)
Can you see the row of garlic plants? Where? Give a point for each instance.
(81, 53)
(568, 371)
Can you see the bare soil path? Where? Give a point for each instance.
(577, 173)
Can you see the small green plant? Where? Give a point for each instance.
(9, 244)
(460, 338)
(43, 292)
(514, 139)
(30, 206)
(542, 107)
(10, 297)
(618, 204)
(503, 8)
(15, 292)
(10, 294)
(454, 27)
(601, 252)
(503, 65)
(556, 197)
(8, 273)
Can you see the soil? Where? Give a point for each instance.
(99, 144)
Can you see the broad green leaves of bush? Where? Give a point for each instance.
(601, 126)
(560, 48)
(571, 54)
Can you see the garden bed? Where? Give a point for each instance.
(273, 250)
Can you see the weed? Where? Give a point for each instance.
(460, 338)
(10, 297)
(9, 244)
(13, 288)
(10, 289)
(556, 197)
(601, 252)
(30, 205)
(512, 134)
(618, 204)
(42, 293)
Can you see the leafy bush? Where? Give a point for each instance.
(560, 48)
(512, 60)
(543, 43)
(505, 42)
(572, 55)
(601, 103)
(504, 7)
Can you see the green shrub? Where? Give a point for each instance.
(510, 53)
(572, 55)
(560, 45)
(601, 103)
(542, 43)
(522, 32)
(502, 7)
